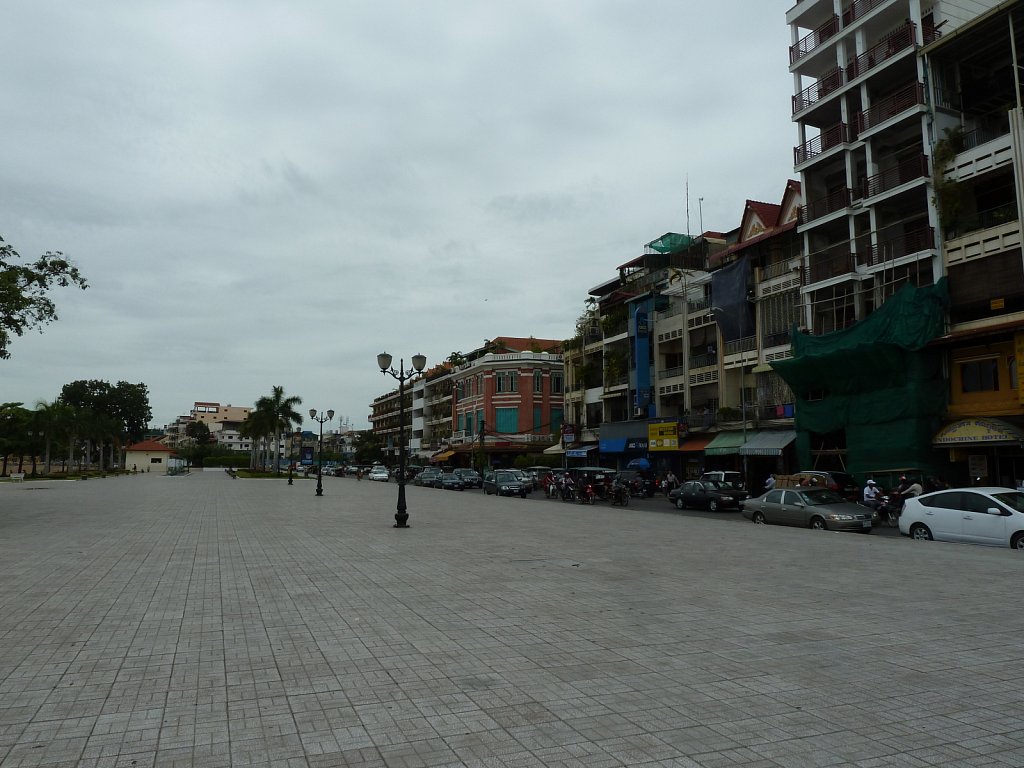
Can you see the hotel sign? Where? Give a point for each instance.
(663, 436)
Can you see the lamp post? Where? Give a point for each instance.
(384, 363)
(320, 459)
(294, 442)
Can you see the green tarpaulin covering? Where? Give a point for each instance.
(876, 382)
(670, 243)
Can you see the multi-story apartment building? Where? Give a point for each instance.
(910, 165)
(511, 387)
(223, 422)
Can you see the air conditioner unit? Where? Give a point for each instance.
(639, 413)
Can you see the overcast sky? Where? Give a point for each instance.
(267, 193)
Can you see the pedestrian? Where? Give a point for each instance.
(770, 482)
(671, 482)
(871, 494)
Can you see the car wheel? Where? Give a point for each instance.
(920, 532)
(817, 524)
(758, 517)
(713, 505)
(487, 491)
(679, 503)
(1017, 542)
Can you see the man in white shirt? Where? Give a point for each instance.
(871, 494)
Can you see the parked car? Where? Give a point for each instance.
(452, 482)
(993, 516)
(735, 479)
(380, 473)
(504, 482)
(427, 477)
(708, 494)
(470, 478)
(525, 478)
(817, 508)
(838, 482)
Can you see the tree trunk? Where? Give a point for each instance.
(47, 457)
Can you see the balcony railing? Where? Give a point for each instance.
(890, 106)
(859, 9)
(778, 269)
(897, 247)
(899, 40)
(992, 217)
(831, 137)
(830, 203)
(812, 40)
(824, 265)
(815, 92)
(697, 306)
(905, 171)
(773, 411)
(702, 361)
(775, 339)
(746, 344)
(671, 373)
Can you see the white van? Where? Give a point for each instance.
(735, 479)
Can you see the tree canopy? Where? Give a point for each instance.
(24, 288)
(124, 402)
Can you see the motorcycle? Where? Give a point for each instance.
(587, 494)
(889, 508)
(567, 491)
(620, 494)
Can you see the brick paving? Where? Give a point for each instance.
(205, 621)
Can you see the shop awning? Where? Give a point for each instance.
(555, 449)
(768, 443)
(696, 443)
(579, 453)
(978, 431)
(442, 456)
(727, 443)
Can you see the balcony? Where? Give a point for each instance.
(898, 247)
(834, 201)
(746, 344)
(812, 40)
(899, 40)
(829, 138)
(903, 172)
(697, 306)
(834, 262)
(859, 9)
(671, 373)
(815, 92)
(775, 339)
(702, 361)
(890, 106)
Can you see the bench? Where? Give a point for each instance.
(17, 477)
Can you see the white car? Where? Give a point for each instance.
(993, 516)
(379, 473)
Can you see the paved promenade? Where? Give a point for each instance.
(205, 621)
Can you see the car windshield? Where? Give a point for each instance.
(1012, 499)
(821, 496)
(722, 485)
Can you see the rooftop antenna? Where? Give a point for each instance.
(687, 204)
(700, 214)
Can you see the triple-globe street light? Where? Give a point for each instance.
(320, 459)
(384, 363)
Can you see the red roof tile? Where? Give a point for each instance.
(151, 446)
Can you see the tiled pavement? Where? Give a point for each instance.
(207, 621)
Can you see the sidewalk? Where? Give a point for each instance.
(206, 621)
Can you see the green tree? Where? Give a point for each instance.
(198, 431)
(367, 448)
(14, 421)
(256, 427)
(280, 416)
(51, 419)
(24, 303)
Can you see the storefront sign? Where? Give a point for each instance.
(663, 437)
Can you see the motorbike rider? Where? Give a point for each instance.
(871, 494)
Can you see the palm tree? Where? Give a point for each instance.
(255, 427)
(51, 419)
(281, 414)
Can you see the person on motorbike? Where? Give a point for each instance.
(871, 494)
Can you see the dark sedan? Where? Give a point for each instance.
(817, 508)
(452, 482)
(470, 478)
(707, 494)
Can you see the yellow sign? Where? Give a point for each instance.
(979, 431)
(663, 436)
(997, 303)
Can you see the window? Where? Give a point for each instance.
(156, 460)
(773, 497)
(980, 375)
(537, 418)
(507, 381)
(508, 420)
(538, 381)
(556, 420)
(556, 383)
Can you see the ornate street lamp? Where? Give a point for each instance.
(384, 363)
(320, 459)
(294, 443)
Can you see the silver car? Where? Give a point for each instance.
(817, 508)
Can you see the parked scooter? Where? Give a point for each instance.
(587, 494)
(620, 494)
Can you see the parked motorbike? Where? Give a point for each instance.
(587, 493)
(567, 490)
(889, 508)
